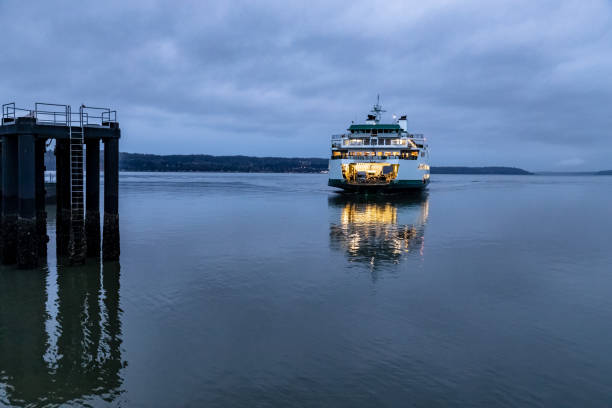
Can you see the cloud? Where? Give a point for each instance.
(510, 82)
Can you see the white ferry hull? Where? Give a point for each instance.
(411, 175)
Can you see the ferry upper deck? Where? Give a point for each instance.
(377, 141)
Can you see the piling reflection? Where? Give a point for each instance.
(24, 375)
(69, 353)
(376, 230)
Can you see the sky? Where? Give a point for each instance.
(514, 83)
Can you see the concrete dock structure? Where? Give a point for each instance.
(24, 135)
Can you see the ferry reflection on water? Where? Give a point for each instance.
(379, 229)
(60, 347)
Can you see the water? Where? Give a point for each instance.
(270, 290)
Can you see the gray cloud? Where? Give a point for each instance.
(512, 83)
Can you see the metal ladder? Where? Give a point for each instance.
(77, 197)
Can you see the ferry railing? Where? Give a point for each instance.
(373, 158)
(369, 136)
(336, 140)
(379, 142)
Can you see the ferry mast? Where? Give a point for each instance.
(376, 112)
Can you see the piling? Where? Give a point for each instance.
(110, 243)
(27, 244)
(41, 213)
(1, 202)
(92, 199)
(9, 194)
(62, 191)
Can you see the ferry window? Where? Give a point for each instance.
(387, 141)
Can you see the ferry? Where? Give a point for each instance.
(379, 157)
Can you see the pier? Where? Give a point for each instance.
(25, 135)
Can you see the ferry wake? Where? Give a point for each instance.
(379, 157)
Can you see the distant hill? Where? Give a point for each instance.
(479, 170)
(201, 162)
(207, 163)
(249, 164)
(605, 173)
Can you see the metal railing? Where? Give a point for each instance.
(9, 112)
(44, 114)
(377, 135)
(375, 158)
(374, 142)
(54, 114)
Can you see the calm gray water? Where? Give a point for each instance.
(273, 291)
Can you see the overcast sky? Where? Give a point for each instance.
(523, 83)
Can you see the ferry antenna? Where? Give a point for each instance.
(377, 109)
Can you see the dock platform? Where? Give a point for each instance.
(25, 135)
